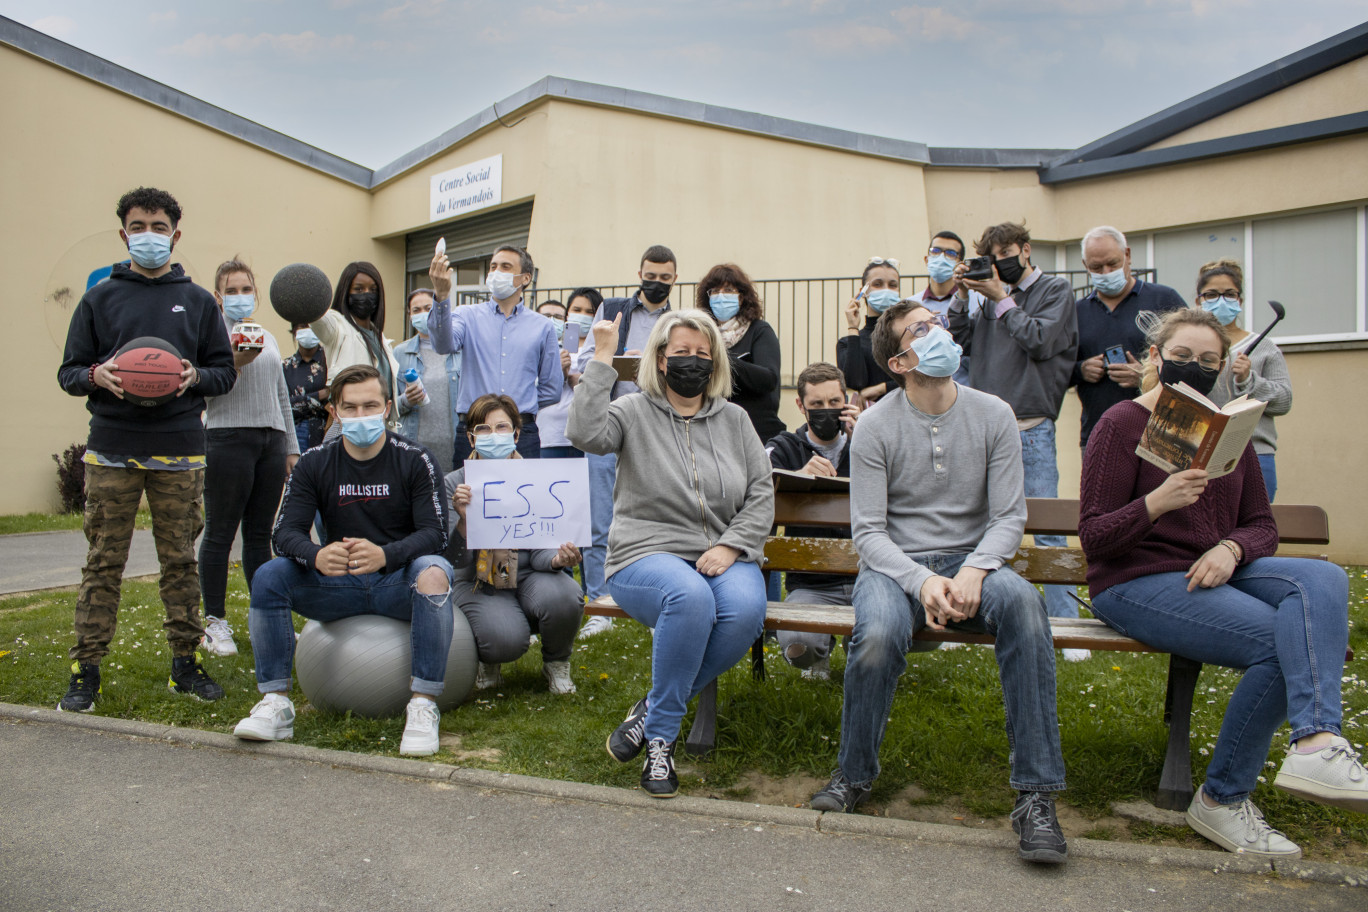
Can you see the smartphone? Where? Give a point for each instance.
(1116, 354)
(570, 341)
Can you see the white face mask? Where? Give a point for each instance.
(501, 285)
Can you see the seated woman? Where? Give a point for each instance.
(691, 508)
(509, 595)
(1184, 563)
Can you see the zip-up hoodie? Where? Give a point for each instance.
(128, 306)
(683, 484)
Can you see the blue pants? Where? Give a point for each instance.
(1042, 480)
(703, 626)
(602, 477)
(1285, 620)
(1268, 464)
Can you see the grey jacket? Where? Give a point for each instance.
(683, 484)
(1269, 382)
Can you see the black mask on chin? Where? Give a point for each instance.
(688, 375)
(363, 306)
(1009, 269)
(1203, 381)
(654, 291)
(825, 424)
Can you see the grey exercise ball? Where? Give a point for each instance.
(361, 664)
(301, 293)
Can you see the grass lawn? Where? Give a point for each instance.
(944, 758)
(17, 523)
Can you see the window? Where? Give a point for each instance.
(1309, 263)
(1180, 255)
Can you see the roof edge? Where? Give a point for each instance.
(967, 157)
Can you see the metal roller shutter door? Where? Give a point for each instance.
(470, 237)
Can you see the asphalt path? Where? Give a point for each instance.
(47, 560)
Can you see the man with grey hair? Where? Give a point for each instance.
(1111, 346)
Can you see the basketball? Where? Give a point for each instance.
(150, 369)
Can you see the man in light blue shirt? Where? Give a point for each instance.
(508, 349)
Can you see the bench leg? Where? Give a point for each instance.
(1175, 783)
(703, 734)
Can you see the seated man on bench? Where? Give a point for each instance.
(938, 507)
(384, 512)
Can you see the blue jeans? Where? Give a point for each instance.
(602, 477)
(561, 452)
(1285, 620)
(703, 626)
(1042, 480)
(886, 619)
(1268, 463)
(282, 586)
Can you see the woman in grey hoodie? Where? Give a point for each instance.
(691, 508)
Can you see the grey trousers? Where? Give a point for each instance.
(503, 620)
(818, 645)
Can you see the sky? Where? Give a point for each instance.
(370, 80)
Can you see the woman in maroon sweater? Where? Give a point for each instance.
(1183, 563)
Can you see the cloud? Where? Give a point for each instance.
(165, 16)
(413, 9)
(57, 26)
(303, 44)
(933, 22)
(851, 38)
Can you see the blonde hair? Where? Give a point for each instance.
(1162, 329)
(652, 381)
(1223, 267)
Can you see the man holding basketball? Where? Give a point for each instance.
(152, 443)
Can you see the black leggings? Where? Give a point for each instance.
(243, 477)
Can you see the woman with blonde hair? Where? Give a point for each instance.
(692, 505)
(1185, 563)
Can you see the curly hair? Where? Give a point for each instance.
(1006, 234)
(148, 199)
(733, 275)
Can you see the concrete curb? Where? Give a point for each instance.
(832, 824)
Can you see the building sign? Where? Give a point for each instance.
(477, 185)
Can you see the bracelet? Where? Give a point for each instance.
(1231, 545)
(90, 374)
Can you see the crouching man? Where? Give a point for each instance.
(937, 508)
(384, 515)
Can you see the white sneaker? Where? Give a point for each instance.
(218, 638)
(1077, 655)
(1240, 828)
(272, 719)
(488, 676)
(557, 676)
(1333, 776)
(420, 729)
(596, 624)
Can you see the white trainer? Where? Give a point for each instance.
(1077, 655)
(1333, 776)
(218, 638)
(595, 625)
(557, 676)
(1240, 828)
(488, 676)
(420, 729)
(272, 719)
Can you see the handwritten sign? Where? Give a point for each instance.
(477, 185)
(527, 503)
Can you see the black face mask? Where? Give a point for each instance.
(654, 291)
(1009, 269)
(688, 375)
(363, 306)
(825, 424)
(1203, 381)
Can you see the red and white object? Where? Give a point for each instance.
(247, 337)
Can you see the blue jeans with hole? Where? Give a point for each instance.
(1042, 480)
(283, 585)
(1285, 620)
(886, 619)
(703, 626)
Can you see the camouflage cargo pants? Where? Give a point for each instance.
(175, 500)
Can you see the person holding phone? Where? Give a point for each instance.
(555, 445)
(854, 351)
(427, 405)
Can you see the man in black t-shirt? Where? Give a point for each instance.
(384, 518)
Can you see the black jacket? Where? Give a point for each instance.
(791, 450)
(755, 377)
(855, 358)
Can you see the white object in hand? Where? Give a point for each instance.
(441, 246)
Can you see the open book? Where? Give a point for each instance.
(1189, 431)
(801, 483)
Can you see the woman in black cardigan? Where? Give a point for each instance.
(726, 293)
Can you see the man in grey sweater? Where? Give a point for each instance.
(937, 509)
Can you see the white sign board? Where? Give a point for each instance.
(527, 503)
(477, 185)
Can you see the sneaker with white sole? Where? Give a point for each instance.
(488, 676)
(1077, 655)
(557, 676)
(218, 638)
(272, 719)
(1240, 828)
(595, 625)
(420, 729)
(1333, 775)
(658, 776)
(819, 670)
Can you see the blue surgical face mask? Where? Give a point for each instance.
(495, 446)
(238, 307)
(584, 321)
(149, 249)
(560, 327)
(938, 355)
(305, 338)
(365, 431)
(419, 322)
(882, 299)
(1225, 309)
(724, 306)
(940, 268)
(1109, 283)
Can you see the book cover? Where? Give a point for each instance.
(626, 367)
(1187, 430)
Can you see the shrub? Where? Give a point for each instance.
(71, 478)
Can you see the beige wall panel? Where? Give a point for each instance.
(1343, 90)
(967, 201)
(72, 147)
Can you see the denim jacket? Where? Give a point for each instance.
(406, 353)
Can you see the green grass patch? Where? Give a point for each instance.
(19, 523)
(946, 733)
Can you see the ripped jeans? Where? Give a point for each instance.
(283, 585)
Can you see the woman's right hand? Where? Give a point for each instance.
(852, 314)
(1179, 490)
(606, 339)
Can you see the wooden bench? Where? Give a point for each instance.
(1297, 525)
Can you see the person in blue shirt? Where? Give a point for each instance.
(508, 350)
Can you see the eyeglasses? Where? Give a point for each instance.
(883, 261)
(1211, 297)
(949, 253)
(484, 430)
(1210, 363)
(920, 329)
